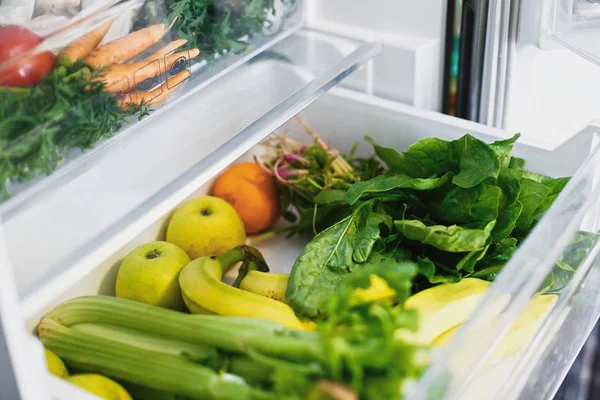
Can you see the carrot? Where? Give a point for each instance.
(156, 96)
(124, 48)
(124, 77)
(83, 46)
(174, 45)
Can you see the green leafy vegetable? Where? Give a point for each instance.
(531, 197)
(503, 149)
(330, 255)
(517, 164)
(459, 208)
(42, 125)
(221, 26)
(569, 261)
(453, 238)
(385, 183)
(427, 158)
(474, 207)
(478, 162)
(510, 210)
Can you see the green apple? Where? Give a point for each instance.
(206, 226)
(150, 274)
(101, 386)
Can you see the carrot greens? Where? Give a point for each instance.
(40, 126)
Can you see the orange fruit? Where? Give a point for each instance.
(252, 192)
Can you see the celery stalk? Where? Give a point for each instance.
(235, 334)
(144, 340)
(154, 370)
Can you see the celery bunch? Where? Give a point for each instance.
(215, 357)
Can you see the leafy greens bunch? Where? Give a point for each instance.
(41, 125)
(457, 208)
(221, 26)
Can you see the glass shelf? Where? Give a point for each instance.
(106, 194)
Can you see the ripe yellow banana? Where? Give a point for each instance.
(274, 286)
(266, 284)
(203, 291)
(522, 331)
(443, 307)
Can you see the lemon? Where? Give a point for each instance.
(55, 365)
(101, 386)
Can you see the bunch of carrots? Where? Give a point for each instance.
(112, 63)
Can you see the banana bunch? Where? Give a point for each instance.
(260, 294)
(204, 292)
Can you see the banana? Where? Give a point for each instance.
(443, 307)
(522, 331)
(203, 291)
(274, 286)
(266, 284)
(379, 290)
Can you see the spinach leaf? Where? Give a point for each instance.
(453, 238)
(428, 269)
(391, 181)
(467, 263)
(474, 207)
(500, 254)
(427, 158)
(368, 233)
(509, 183)
(531, 197)
(478, 162)
(503, 148)
(569, 261)
(489, 273)
(327, 258)
(330, 196)
(471, 158)
(555, 186)
(517, 164)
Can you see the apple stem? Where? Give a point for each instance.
(153, 254)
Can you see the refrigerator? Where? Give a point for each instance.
(89, 176)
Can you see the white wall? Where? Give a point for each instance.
(552, 92)
(413, 34)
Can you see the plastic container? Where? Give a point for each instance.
(535, 369)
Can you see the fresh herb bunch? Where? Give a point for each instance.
(313, 178)
(220, 26)
(40, 126)
(456, 208)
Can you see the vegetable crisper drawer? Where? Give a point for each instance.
(462, 370)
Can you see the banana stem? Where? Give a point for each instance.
(252, 260)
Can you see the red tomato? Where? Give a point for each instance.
(26, 71)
